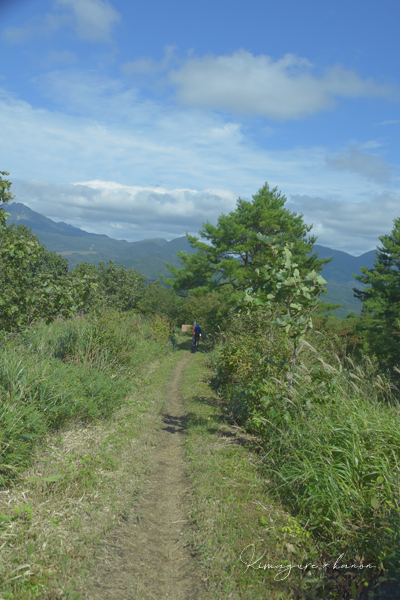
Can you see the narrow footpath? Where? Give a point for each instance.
(149, 556)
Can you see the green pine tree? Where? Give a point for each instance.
(232, 249)
(381, 300)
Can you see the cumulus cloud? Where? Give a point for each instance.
(281, 90)
(125, 212)
(93, 19)
(350, 226)
(179, 160)
(364, 163)
(139, 212)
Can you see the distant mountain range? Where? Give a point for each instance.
(148, 256)
(339, 275)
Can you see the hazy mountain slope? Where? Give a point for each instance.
(80, 246)
(148, 256)
(339, 275)
(343, 265)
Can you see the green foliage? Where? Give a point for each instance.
(112, 285)
(212, 310)
(381, 300)
(102, 341)
(5, 196)
(195, 272)
(286, 296)
(233, 249)
(78, 369)
(36, 283)
(163, 302)
(342, 482)
(341, 337)
(160, 329)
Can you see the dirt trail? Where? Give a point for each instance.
(149, 556)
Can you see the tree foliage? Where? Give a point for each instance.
(35, 283)
(163, 302)
(233, 250)
(5, 196)
(113, 285)
(381, 300)
(286, 296)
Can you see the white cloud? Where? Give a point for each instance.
(140, 212)
(94, 19)
(364, 163)
(110, 134)
(147, 65)
(173, 164)
(392, 122)
(350, 226)
(86, 92)
(128, 212)
(258, 85)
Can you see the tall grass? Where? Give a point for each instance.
(81, 369)
(331, 443)
(336, 463)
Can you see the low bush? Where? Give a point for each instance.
(160, 329)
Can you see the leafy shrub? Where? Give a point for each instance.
(112, 286)
(249, 367)
(160, 329)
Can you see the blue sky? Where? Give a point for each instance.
(143, 120)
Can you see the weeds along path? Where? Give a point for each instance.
(151, 556)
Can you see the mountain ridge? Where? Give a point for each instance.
(148, 255)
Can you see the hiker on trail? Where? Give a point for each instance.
(197, 334)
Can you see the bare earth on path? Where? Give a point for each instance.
(149, 556)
